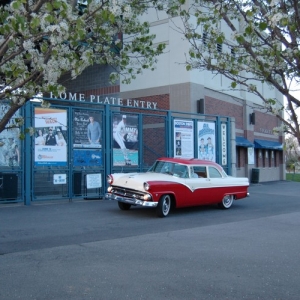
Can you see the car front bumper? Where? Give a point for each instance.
(132, 201)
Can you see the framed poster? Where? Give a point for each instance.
(206, 140)
(10, 152)
(125, 140)
(50, 137)
(183, 138)
(87, 138)
(87, 131)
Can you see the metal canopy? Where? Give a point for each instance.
(243, 142)
(264, 144)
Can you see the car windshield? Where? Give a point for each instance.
(170, 168)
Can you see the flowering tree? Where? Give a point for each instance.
(40, 40)
(292, 152)
(261, 44)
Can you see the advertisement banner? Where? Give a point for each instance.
(87, 131)
(10, 152)
(125, 140)
(224, 143)
(206, 140)
(50, 137)
(183, 138)
(87, 138)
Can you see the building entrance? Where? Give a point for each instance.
(74, 145)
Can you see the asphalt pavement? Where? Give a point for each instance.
(89, 249)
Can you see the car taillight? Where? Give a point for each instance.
(109, 179)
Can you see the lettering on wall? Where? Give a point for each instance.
(267, 131)
(106, 100)
(224, 144)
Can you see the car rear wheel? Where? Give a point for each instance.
(164, 206)
(124, 206)
(226, 202)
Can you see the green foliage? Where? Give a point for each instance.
(293, 177)
(260, 44)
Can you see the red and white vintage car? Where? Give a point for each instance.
(175, 182)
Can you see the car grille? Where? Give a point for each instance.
(129, 193)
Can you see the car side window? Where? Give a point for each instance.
(200, 171)
(214, 173)
(180, 171)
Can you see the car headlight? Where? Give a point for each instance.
(146, 186)
(109, 189)
(109, 179)
(147, 197)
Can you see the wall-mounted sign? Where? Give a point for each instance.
(207, 140)
(125, 140)
(106, 100)
(224, 144)
(50, 137)
(251, 156)
(59, 179)
(183, 138)
(93, 181)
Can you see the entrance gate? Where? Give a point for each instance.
(74, 146)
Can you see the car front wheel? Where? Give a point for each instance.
(124, 206)
(164, 206)
(226, 202)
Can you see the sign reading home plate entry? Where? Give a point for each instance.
(93, 181)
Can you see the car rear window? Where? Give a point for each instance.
(200, 171)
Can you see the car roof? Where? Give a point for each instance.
(189, 161)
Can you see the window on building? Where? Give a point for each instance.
(267, 158)
(275, 158)
(204, 38)
(232, 51)
(238, 157)
(264, 158)
(82, 4)
(258, 156)
(219, 47)
(272, 159)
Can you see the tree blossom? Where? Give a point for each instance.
(41, 40)
(264, 39)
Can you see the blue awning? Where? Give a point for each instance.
(263, 144)
(242, 142)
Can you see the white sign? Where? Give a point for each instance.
(59, 179)
(93, 181)
(251, 156)
(183, 138)
(224, 144)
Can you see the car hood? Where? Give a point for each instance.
(136, 180)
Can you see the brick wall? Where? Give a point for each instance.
(264, 122)
(217, 107)
(94, 78)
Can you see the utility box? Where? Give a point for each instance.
(255, 175)
(8, 186)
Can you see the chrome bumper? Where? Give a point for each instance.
(131, 201)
